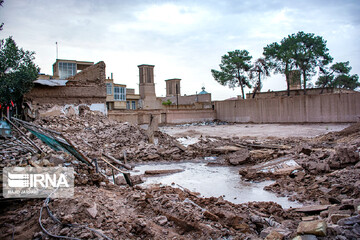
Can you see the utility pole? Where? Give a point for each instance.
(57, 51)
(177, 95)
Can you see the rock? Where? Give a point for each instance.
(317, 228)
(152, 156)
(336, 217)
(54, 111)
(338, 210)
(357, 184)
(324, 214)
(92, 211)
(70, 111)
(135, 179)
(305, 150)
(356, 229)
(305, 237)
(299, 175)
(239, 157)
(210, 216)
(64, 231)
(334, 200)
(283, 231)
(310, 218)
(161, 220)
(347, 201)
(261, 154)
(86, 235)
(274, 235)
(68, 219)
(225, 149)
(312, 208)
(322, 167)
(349, 221)
(357, 165)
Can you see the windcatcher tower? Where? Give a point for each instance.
(147, 87)
(173, 87)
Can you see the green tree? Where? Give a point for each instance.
(280, 59)
(338, 76)
(258, 72)
(234, 66)
(308, 52)
(301, 51)
(17, 72)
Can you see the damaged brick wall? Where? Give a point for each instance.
(86, 87)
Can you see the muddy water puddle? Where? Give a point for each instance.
(213, 181)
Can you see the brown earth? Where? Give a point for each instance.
(328, 175)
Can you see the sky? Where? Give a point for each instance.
(183, 39)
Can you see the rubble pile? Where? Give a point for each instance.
(323, 173)
(327, 173)
(151, 213)
(95, 134)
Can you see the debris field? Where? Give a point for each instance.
(322, 172)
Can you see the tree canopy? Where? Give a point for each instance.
(280, 59)
(258, 72)
(338, 76)
(234, 66)
(300, 51)
(17, 71)
(308, 52)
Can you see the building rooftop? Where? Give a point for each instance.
(52, 82)
(203, 91)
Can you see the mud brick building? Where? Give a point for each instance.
(84, 85)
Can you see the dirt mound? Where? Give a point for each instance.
(351, 133)
(94, 134)
(353, 129)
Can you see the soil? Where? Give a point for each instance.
(326, 172)
(253, 130)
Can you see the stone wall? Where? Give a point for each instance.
(340, 107)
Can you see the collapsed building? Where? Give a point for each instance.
(73, 84)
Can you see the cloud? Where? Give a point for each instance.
(183, 39)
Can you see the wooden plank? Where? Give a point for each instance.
(82, 155)
(312, 208)
(127, 166)
(24, 135)
(163, 171)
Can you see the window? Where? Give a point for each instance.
(108, 88)
(119, 93)
(66, 69)
(127, 104)
(133, 105)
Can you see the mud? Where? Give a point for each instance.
(327, 173)
(212, 181)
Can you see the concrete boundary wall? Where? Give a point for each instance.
(188, 116)
(164, 117)
(340, 107)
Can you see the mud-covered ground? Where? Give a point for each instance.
(322, 172)
(252, 130)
